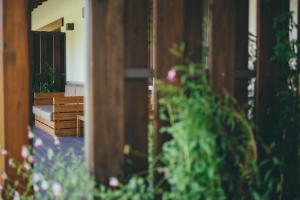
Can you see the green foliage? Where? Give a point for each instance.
(212, 147)
(46, 82)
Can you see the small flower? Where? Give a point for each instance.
(11, 162)
(113, 182)
(44, 185)
(36, 188)
(38, 143)
(4, 152)
(25, 152)
(16, 196)
(30, 159)
(56, 189)
(56, 141)
(172, 75)
(4, 176)
(30, 135)
(27, 166)
(37, 177)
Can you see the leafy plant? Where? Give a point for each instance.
(46, 82)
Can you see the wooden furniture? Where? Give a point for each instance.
(80, 118)
(56, 113)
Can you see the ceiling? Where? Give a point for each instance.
(36, 3)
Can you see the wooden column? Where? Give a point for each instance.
(268, 81)
(222, 44)
(105, 87)
(136, 86)
(242, 74)
(14, 79)
(174, 22)
(118, 72)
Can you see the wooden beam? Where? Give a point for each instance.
(105, 83)
(222, 44)
(14, 79)
(53, 26)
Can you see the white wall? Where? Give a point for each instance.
(71, 11)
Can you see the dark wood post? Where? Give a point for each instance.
(137, 74)
(105, 87)
(174, 22)
(267, 84)
(117, 82)
(14, 79)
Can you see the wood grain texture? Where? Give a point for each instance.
(222, 40)
(105, 95)
(136, 90)
(14, 79)
(53, 26)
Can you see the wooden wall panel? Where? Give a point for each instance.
(14, 78)
(105, 83)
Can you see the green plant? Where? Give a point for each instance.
(46, 82)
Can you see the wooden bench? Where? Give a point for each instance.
(56, 113)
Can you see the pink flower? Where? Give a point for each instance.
(4, 176)
(38, 143)
(30, 135)
(56, 189)
(172, 75)
(11, 162)
(30, 159)
(27, 166)
(24, 152)
(113, 182)
(4, 152)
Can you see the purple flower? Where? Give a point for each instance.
(172, 75)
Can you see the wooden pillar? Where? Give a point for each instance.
(105, 87)
(242, 74)
(268, 81)
(222, 44)
(174, 22)
(118, 72)
(14, 79)
(137, 71)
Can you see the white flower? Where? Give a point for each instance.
(113, 182)
(44, 185)
(30, 159)
(16, 196)
(30, 135)
(11, 162)
(56, 141)
(27, 166)
(56, 189)
(4, 176)
(37, 177)
(4, 152)
(36, 188)
(25, 152)
(38, 143)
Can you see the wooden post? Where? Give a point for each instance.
(14, 79)
(105, 87)
(174, 22)
(136, 87)
(241, 51)
(268, 82)
(222, 44)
